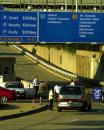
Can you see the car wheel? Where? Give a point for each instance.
(3, 99)
(89, 107)
(85, 107)
(59, 109)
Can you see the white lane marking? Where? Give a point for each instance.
(101, 103)
(72, 120)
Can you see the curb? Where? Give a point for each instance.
(24, 113)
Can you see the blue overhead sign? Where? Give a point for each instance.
(71, 27)
(97, 94)
(18, 27)
(50, 27)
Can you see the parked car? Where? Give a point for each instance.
(6, 95)
(73, 97)
(18, 87)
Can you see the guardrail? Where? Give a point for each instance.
(69, 75)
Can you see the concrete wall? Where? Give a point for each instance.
(58, 57)
(84, 63)
(88, 64)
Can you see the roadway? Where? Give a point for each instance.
(26, 68)
(53, 120)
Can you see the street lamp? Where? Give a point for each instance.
(1, 2)
(1, 6)
(24, 4)
(72, 5)
(54, 5)
(81, 6)
(20, 4)
(46, 4)
(29, 7)
(66, 3)
(94, 9)
(101, 5)
(76, 5)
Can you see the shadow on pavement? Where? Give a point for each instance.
(21, 114)
(8, 106)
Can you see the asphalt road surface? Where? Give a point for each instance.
(53, 120)
(27, 69)
(49, 120)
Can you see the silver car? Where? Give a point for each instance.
(73, 97)
(18, 87)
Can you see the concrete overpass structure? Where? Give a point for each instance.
(81, 63)
(55, 64)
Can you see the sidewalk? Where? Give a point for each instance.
(18, 109)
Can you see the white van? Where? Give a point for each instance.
(73, 97)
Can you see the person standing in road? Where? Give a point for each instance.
(50, 97)
(72, 82)
(57, 90)
(36, 83)
(42, 92)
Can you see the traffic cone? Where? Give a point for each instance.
(21, 107)
(33, 103)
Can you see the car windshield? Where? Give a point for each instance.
(70, 91)
(14, 85)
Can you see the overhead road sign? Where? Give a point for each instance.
(97, 94)
(71, 27)
(51, 27)
(18, 27)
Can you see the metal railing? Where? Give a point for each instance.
(55, 5)
(52, 2)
